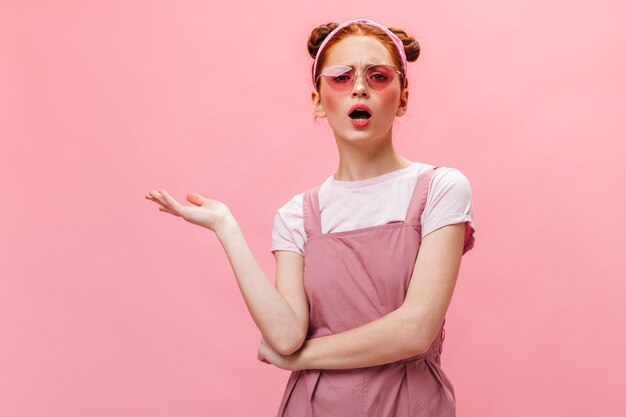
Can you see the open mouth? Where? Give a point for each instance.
(360, 114)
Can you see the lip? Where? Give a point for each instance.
(360, 107)
(360, 124)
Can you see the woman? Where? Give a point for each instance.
(366, 262)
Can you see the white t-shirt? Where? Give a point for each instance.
(350, 205)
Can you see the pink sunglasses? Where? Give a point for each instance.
(341, 78)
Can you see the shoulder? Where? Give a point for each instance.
(449, 201)
(449, 179)
(292, 209)
(287, 223)
(292, 205)
(288, 231)
(290, 213)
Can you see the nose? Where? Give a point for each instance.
(360, 86)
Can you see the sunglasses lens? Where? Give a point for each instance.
(380, 76)
(341, 78)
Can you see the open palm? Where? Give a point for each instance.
(203, 211)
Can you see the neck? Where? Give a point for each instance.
(358, 162)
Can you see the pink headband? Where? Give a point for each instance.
(394, 38)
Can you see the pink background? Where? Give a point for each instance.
(109, 307)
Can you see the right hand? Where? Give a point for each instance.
(204, 212)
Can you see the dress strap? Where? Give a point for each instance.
(311, 212)
(418, 199)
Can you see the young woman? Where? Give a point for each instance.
(366, 262)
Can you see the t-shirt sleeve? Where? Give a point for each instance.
(288, 228)
(449, 201)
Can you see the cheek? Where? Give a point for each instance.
(331, 102)
(389, 99)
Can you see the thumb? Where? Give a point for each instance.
(196, 199)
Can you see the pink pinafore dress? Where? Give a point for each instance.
(351, 278)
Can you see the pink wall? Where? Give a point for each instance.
(109, 307)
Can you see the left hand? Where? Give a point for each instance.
(268, 355)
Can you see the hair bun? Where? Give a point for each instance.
(411, 45)
(317, 37)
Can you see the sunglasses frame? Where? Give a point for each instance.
(356, 74)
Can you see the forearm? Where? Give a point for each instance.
(384, 340)
(270, 311)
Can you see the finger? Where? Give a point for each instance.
(158, 198)
(196, 199)
(175, 204)
(152, 198)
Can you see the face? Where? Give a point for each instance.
(360, 52)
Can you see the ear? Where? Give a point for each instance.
(317, 104)
(404, 100)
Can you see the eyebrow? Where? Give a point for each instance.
(367, 64)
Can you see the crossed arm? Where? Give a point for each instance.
(404, 332)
